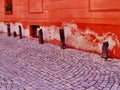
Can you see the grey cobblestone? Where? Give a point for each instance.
(27, 65)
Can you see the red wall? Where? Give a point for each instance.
(78, 11)
(101, 16)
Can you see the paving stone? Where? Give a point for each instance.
(106, 88)
(27, 65)
(115, 86)
(92, 88)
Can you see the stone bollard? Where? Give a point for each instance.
(105, 50)
(62, 38)
(20, 32)
(14, 34)
(8, 30)
(41, 36)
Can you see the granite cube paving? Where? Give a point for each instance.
(27, 65)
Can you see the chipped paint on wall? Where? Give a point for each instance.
(75, 37)
(87, 39)
(50, 32)
(3, 27)
(14, 27)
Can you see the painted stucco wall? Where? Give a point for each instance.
(75, 37)
(87, 23)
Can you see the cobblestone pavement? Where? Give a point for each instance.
(27, 65)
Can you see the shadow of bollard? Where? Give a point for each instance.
(105, 50)
(62, 38)
(41, 41)
(8, 30)
(20, 32)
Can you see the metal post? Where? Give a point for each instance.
(8, 30)
(14, 34)
(105, 50)
(62, 38)
(20, 32)
(41, 36)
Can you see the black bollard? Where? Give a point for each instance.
(62, 38)
(41, 36)
(8, 30)
(105, 50)
(20, 32)
(14, 34)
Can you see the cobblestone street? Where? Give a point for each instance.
(27, 65)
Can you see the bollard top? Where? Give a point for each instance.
(40, 31)
(61, 29)
(19, 26)
(105, 44)
(8, 24)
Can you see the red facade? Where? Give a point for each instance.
(87, 23)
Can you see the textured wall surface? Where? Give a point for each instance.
(87, 23)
